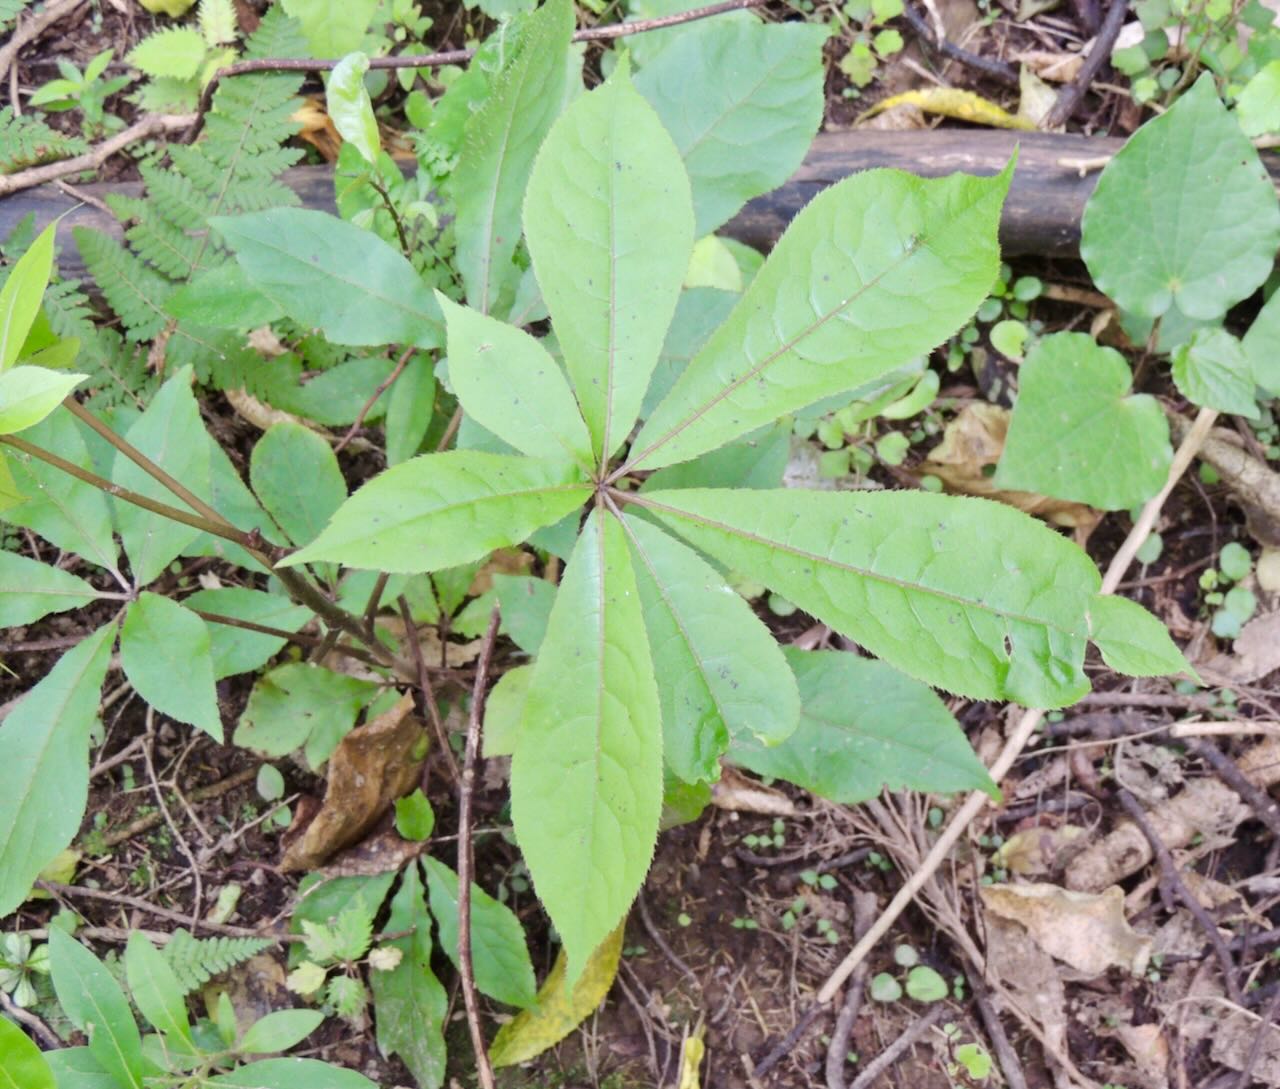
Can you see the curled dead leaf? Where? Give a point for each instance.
(736, 791)
(1085, 930)
(1254, 653)
(372, 766)
(950, 102)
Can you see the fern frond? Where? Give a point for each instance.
(135, 291)
(27, 141)
(195, 961)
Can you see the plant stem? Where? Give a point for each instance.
(465, 790)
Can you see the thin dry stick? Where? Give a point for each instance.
(889, 1055)
(197, 902)
(465, 791)
(152, 125)
(365, 409)
(1264, 808)
(428, 691)
(1022, 733)
(25, 1017)
(864, 911)
(31, 29)
(1070, 95)
(1008, 1059)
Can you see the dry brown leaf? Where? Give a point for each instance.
(904, 117)
(1035, 97)
(1030, 976)
(385, 852)
(1036, 851)
(372, 766)
(1050, 65)
(1261, 764)
(969, 450)
(1254, 654)
(1205, 807)
(506, 561)
(255, 988)
(261, 415)
(1150, 1051)
(1268, 570)
(1085, 930)
(1233, 1043)
(735, 791)
(318, 129)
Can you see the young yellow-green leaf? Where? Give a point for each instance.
(286, 454)
(722, 672)
(44, 747)
(173, 53)
(21, 1064)
(1143, 245)
(171, 433)
(966, 594)
(508, 383)
(21, 295)
(609, 222)
(1133, 641)
(1213, 369)
(155, 988)
(443, 510)
(864, 728)
(559, 1011)
(348, 103)
(586, 778)
(65, 511)
(742, 100)
(164, 651)
(501, 957)
(328, 273)
(1258, 105)
(30, 589)
(875, 272)
(1077, 432)
(95, 1004)
(29, 394)
(1262, 345)
(409, 1002)
(499, 144)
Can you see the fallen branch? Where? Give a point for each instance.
(29, 30)
(1070, 95)
(151, 125)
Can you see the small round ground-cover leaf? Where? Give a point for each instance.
(1184, 213)
(1077, 433)
(865, 727)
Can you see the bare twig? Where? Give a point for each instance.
(996, 69)
(452, 56)
(138, 904)
(889, 1056)
(30, 29)
(1255, 1049)
(428, 690)
(1070, 95)
(1264, 808)
(864, 908)
(197, 899)
(789, 1041)
(1009, 1063)
(152, 125)
(201, 794)
(1022, 732)
(1170, 878)
(30, 1021)
(662, 942)
(358, 423)
(465, 791)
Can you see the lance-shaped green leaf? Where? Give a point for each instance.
(330, 274)
(499, 144)
(966, 594)
(1133, 641)
(443, 510)
(155, 988)
(410, 1003)
(508, 383)
(65, 511)
(501, 958)
(722, 674)
(165, 653)
(290, 1074)
(30, 589)
(864, 728)
(20, 297)
(1145, 245)
(1077, 433)
(171, 434)
(586, 777)
(742, 101)
(44, 749)
(609, 222)
(29, 394)
(874, 273)
(1213, 369)
(93, 1000)
(348, 104)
